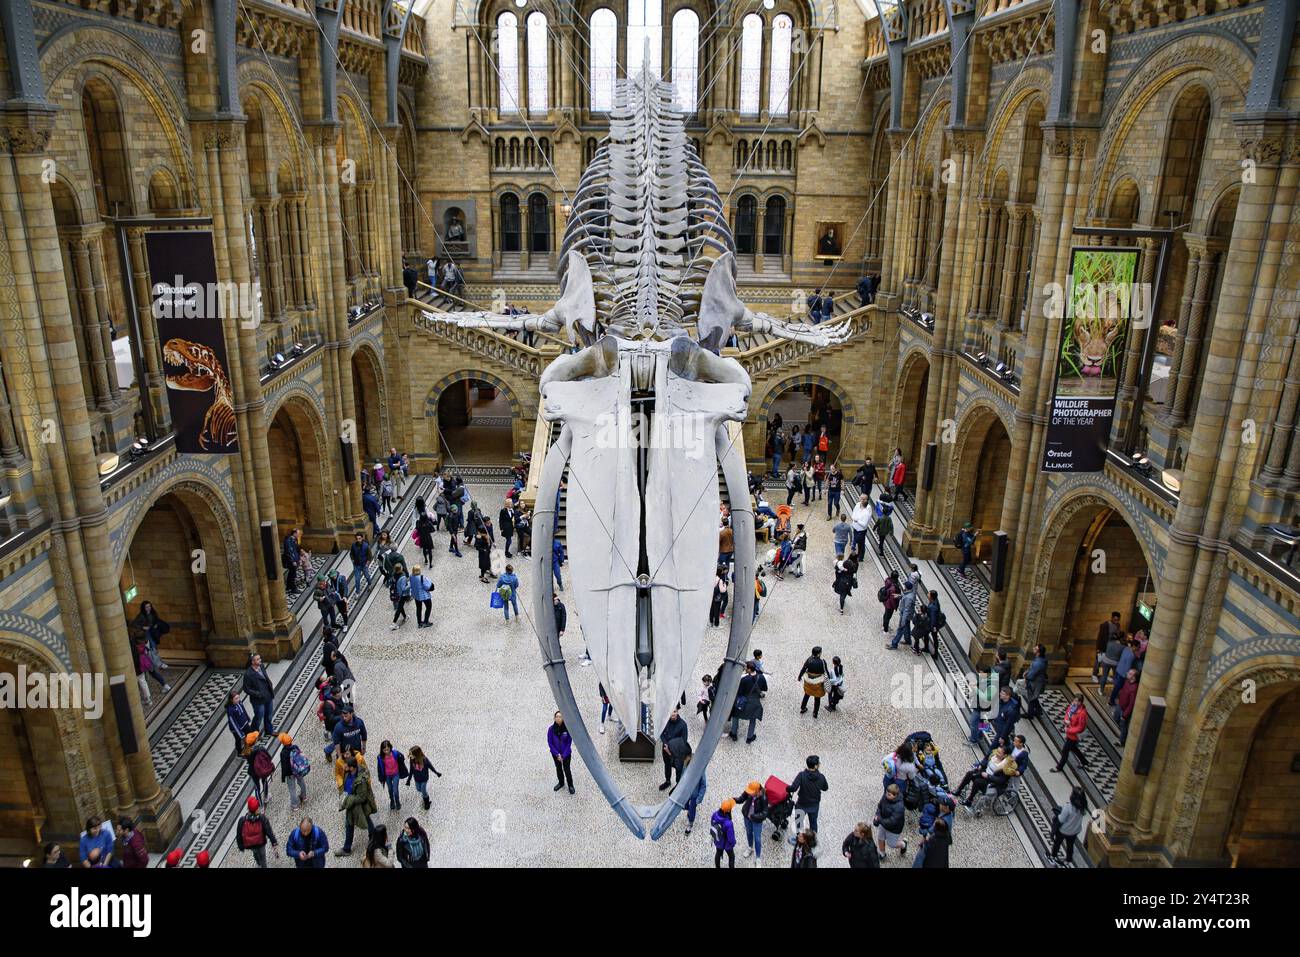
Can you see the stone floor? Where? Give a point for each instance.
(471, 692)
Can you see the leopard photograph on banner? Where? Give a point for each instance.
(188, 305)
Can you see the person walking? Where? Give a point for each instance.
(255, 832)
(846, 579)
(1075, 723)
(558, 558)
(506, 524)
(809, 785)
(290, 553)
(749, 702)
(453, 528)
(723, 833)
(934, 849)
(835, 684)
(883, 523)
(390, 765)
(1123, 709)
(483, 546)
(413, 846)
(862, 518)
(424, 528)
(294, 768)
(841, 535)
(359, 553)
(1067, 825)
(753, 812)
(906, 609)
(693, 804)
(889, 595)
(261, 693)
(399, 591)
(834, 488)
(260, 767)
(965, 540)
(508, 589)
(357, 806)
(859, 848)
(813, 675)
(237, 720)
(560, 742)
(307, 845)
(422, 594)
(419, 769)
(929, 620)
(718, 606)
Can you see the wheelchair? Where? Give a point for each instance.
(1002, 803)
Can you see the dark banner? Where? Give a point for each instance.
(1101, 300)
(188, 305)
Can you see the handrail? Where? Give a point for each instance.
(478, 308)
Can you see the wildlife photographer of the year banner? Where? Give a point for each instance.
(1099, 301)
(188, 306)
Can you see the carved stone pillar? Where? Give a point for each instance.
(90, 318)
(104, 309)
(1195, 334)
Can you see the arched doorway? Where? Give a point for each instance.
(1097, 566)
(367, 387)
(808, 403)
(911, 419)
(980, 476)
(40, 800)
(476, 421)
(510, 226)
(178, 560)
(296, 474)
(746, 222)
(774, 226)
(539, 224)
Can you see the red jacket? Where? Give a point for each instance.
(1075, 722)
(900, 472)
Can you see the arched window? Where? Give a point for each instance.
(538, 58)
(509, 223)
(539, 224)
(686, 57)
(774, 227)
(751, 63)
(507, 63)
(603, 40)
(644, 22)
(778, 83)
(746, 215)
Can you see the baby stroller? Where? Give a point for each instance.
(779, 806)
(925, 755)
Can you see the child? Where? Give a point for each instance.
(706, 697)
(260, 766)
(387, 493)
(293, 770)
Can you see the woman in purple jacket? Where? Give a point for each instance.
(561, 745)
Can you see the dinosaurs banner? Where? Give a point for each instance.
(1098, 305)
(188, 305)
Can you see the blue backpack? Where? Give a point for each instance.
(298, 762)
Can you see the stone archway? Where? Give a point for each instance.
(433, 402)
(1091, 561)
(181, 556)
(47, 787)
(839, 415)
(913, 385)
(977, 473)
(295, 443)
(371, 403)
(1246, 736)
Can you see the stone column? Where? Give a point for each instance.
(275, 259)
(1284, 423)
(1017, 217)
(1133, 355)
(991, 236)
(91, 321)
(1189, 361)
(103, 308)
(148, 346)
(981, 245)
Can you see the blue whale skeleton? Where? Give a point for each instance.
(647, 253)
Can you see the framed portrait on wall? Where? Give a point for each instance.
(829, 243)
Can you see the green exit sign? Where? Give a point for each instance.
(131, 593)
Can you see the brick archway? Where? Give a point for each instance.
(977, 471)
(435, 393)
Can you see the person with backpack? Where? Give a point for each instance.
(846, 579)
(723, 834)
(359, 553)
(422, 594)
(749, 703)
(809, 785)
(753, 812)
(906, 609)
(926, 628)
(883, 522)
(508, 589)
(260, 766)
(419, 769)
(370, 505)
(889, 595)
(560, 743)
(965, 540)
(294, 768)
(899, 766)
(387, 492)
(813, 675)
(357, 806)
(889, 821)
(307, 845)
(390, 765)
(255, 832)
(859, 849)
(413, 846)
(399, 591)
